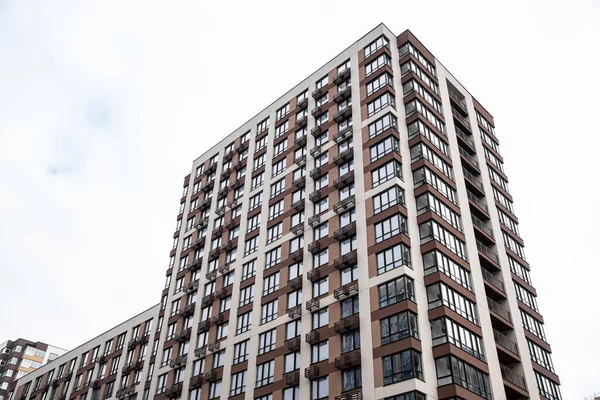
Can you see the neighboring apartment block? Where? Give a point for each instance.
(21, 356)
(354, 240)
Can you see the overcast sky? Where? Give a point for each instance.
(104, 106)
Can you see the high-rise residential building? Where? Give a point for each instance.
(21, 356)
(354, 240)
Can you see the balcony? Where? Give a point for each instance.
(345, 232)
(300, 140)
(316, 131)
(217, 319)
(500, 311)
(292, 378)
(56, 382)
(238, 166)
(220, 212)
(222, 293)
(203, 326)
(211, 376)
(318, 92)
(343, 134)
(480, 203)
(132, 343)
(301, 122)
(347, 260)
(493, 280)
(297, 229)
(202, 223)
(313, 275)
(314, 221)
(212, 347)
(343, 94)
(297, 255)
(316, 172)
(228, 246)
(208, 300)
(208, 187)
(295, 283)
(513, 377)
(315, 247)
(300, 182)
(200, 352)
(174, 391)
(302, 103)
(464, 137)
(503, 341)
(346, 291)
(183, 335)
(489, 253)
(312, 373)
(316, 151)
(342, 76)
(344, 157)
(295, 312)
(124, 392)
(238, 183)
(350, 396)
(348, 360)
(95, 384)
(461, 119)
(293, 344)
(214, 253)
(210, 168)
(187, 310)
(344, 205)
(205, 205)
(312, 337)
(300, 161)
(196, 382)
(228, 156)
(222, 193)
(316, 196)
(178, 362)
(343, 114)
(347, 324)
(312, 304)
(344, 180)
(474, 182)
(485, 229)
(315, 112)
(459, 102)
(199, 243)
(470, 159)
(211, 275)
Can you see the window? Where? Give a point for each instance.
(255, 201)
(416, 106)
(268, 312)
(319, 389)
(349, 306)
(486, 124)
(257, 181)
(322, 82)
(282, 112)
(273, 257)
(384, 147)
(348, 217)
(428, 202)
(291, 362)
(248, 270)
(411, 66)
(246, 295)
(251, 246)
(266, 341)
(386, 172)
(243, 322)
(452, 370)
(222, 330)
(378, 104)
(526, 297)
(280, 147)
(445, 330)
(419, 128)
(421, 150)
(395, 291)
(320, 318)
(389, 227)
(277, 188)
(533, 325)
(271, 284)
(402, 366)
(380, 42)
(378, 63)
(349, 274)
(379, 82)
(294, 270)
(398, 327)
(322, 206)
(219, 359)
(279, 167)
(296, 244)
(294, 299)
(214, 390)
(351, 378)
(293, 329)
(259, 161)
(321, 181)
(240, 352)
(265, 373)
(388, 198)
(439, 294)
(274, 233)
(409, 48)
(321, 231)
(431, 230)
(320, 352)
(426, 176)
(321, 258)
(382, 124)
(414, 86)
(350, 341)
(547, 388)
(238, 383)
(436, 261)
(161, 384)
(508, 222)
(262, 125)
(321, 287)
(513, 245)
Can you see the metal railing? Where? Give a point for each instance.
(480, 203)
(468, 156)
(498, 309)
(489, 253)
(459, 117)
(482, 225)
(473, 179)
(513, 377)
(505, 342)
(464, 136)
(496, 282)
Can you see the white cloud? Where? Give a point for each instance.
(104, 105)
